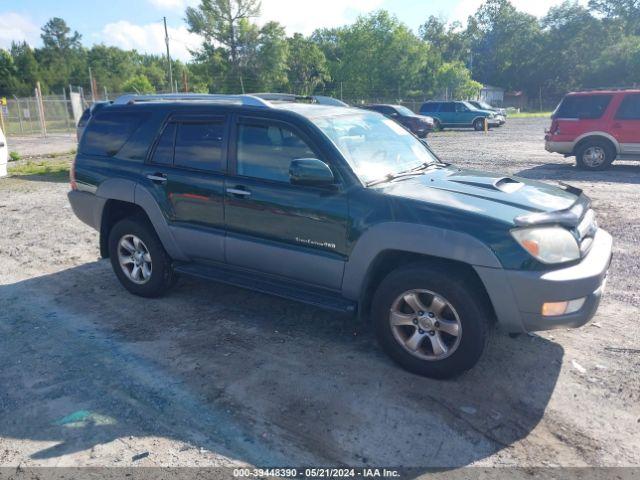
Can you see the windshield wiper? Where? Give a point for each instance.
(405, 173)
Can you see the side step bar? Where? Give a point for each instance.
(318, 297)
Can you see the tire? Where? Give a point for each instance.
(152, 281)
(478, 124)
(595, 155)
(465, 306)
(437, 126)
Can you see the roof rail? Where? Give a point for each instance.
(246, 100)
(292, 97)
(622, 88)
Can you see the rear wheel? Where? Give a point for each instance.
(139, 259)
(430, 322)
(594, 155)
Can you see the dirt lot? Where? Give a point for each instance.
(214, 375)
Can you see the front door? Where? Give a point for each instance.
(186, 176)
(292, 231)
(626, 124)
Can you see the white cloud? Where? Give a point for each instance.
(539, 8)
(17, 27)
(293, 15)
(150, 38)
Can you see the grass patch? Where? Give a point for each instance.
(57, 170)
(14, 156)
(530, 115)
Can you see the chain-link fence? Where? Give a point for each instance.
(29, 116)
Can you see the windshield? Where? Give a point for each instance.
(404, 111)
(373, 145)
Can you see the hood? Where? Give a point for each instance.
(501, 197)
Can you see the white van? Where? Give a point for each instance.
(4, 154)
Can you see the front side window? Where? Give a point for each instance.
(109, 131)
(374, 146)
(588, 107)
(199, 145)
(266, 151)
(629, 108)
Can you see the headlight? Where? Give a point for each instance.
(548, 244)
(491, 115)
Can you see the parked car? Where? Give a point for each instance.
(459, 115)
(501, 113)
(419, 125)
(4, 154)
(339, 208)
(597, 127)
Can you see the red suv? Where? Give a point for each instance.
(597, 127)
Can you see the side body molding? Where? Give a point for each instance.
(144, 199)
(406, 237)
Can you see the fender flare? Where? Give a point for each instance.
(598, 133)
(411, 238)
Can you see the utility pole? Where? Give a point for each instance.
(166, 39)
(93, 86)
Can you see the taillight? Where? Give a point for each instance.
(72, 175)
(555, 127)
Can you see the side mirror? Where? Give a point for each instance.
(311, 172)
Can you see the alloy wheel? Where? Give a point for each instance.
(134, 259)
(425, 324)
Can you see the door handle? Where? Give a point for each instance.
(239, 192)
(157, 178)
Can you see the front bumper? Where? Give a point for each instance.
(518, 296)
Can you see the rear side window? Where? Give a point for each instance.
(448, 107)
(109, 131)
(588, 107)
(199, 145)
(429, 107)
(629, 108)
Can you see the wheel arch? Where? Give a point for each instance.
(388, 245)
(599, 136)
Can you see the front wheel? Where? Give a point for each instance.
(478, 124)
(430, 322)
(139, 259)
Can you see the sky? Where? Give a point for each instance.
(137, 24)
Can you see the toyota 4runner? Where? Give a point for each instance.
(340, 208)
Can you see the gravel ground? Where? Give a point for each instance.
(214, 375)
(35, 146)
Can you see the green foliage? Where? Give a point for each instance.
(308, 68)
(14, 156)
(456, 80)
(138, 84)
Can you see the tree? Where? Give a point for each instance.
(454, 80)
(55, 36)
(26, 66)
(138, 84)
(62, 58)
(308, 67)
(625, 11)
(224, 22)
(7, 73)
(450, 41)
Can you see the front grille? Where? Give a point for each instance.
(586, 231)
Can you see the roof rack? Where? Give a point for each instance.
(596, 89)
(246, 100)
(291, 97)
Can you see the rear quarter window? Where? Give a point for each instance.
(107, 132)
(429, 107)
(589, 107)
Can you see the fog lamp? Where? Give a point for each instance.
(553, 309)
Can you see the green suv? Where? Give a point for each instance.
(340, 208)
(460, 115)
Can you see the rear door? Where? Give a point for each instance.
(447, 113)
(186, 174)
(626, 124)
(292, 231)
